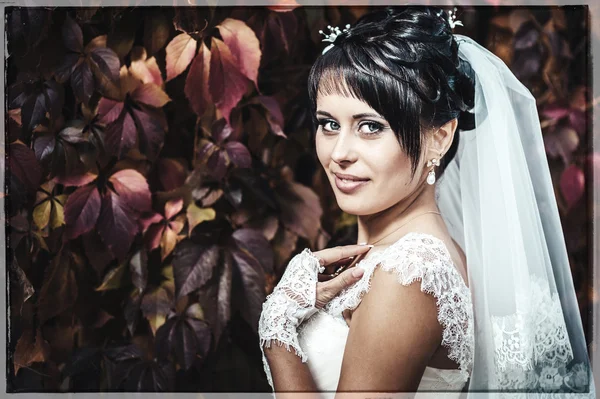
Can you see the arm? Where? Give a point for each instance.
(290, 374)
(393, 334)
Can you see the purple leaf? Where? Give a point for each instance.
(107, 61)
(253, 243)
(193, 266)
(239, 154)
(115, 224)
(82, 210)
(120, 135)
(24, 165)
(72, 35)
(34, 111)
(82, 81)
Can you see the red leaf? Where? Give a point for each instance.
(132, 188)
(227, 84)
(180, 52)
(193, 266)
(109, 110)
(578, 121)
(24, 165)
(72, 35)
(82, 82)
(120, 135)
(115, 224)
(173, 207)
(147, 221)
(154, 235)
(243, 45)
(572, 185)
(555, 111)
(150, 94)
(196, 83)
(239, 154)
(81, 211)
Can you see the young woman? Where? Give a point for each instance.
(464, 282)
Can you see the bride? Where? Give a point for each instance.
(461, 282)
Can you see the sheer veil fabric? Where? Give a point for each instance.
(497, 200)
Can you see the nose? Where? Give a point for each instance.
(344, 149)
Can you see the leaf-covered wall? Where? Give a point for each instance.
(161, 174)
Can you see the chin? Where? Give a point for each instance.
(354, 206)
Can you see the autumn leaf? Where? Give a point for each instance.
(196, 83)
(227, 83)
(193, 266)
(243, 45)
(196, 215)
(180, 52)
(29, 349)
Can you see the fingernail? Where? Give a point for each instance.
(357, 272)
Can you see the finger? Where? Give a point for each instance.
(345, 279)
(332, 267)
(330, 255)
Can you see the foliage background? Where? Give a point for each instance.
(161, 173)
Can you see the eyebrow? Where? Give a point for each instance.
(356, 116)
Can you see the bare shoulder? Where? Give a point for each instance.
(393, 335)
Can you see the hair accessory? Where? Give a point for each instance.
(452, 21)
(332, 36)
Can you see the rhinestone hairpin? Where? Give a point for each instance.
(335, 31)
(452, 21)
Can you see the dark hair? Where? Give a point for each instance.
(401, 58)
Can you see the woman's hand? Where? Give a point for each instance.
(334, 258)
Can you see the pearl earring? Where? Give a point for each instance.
(431, 176)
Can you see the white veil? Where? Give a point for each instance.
(497, 200)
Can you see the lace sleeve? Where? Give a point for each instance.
(423, 257)
(291, 302)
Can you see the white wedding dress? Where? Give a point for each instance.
(416, 257)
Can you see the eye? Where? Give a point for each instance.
(332, 123)
(373, 128)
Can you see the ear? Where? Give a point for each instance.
(441, 139)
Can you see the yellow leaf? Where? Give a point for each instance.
(57, 217)
(167, 243)
(41, 214)
(156, 321)
(113, 278)
(196, 215)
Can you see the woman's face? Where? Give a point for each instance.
(352, 139)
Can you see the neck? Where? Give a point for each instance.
(375, 226)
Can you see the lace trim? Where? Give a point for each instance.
(420, 256)
(291, 302)
(533, 347)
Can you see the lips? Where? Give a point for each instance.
(349, 183)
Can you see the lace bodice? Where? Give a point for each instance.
(414, 257)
